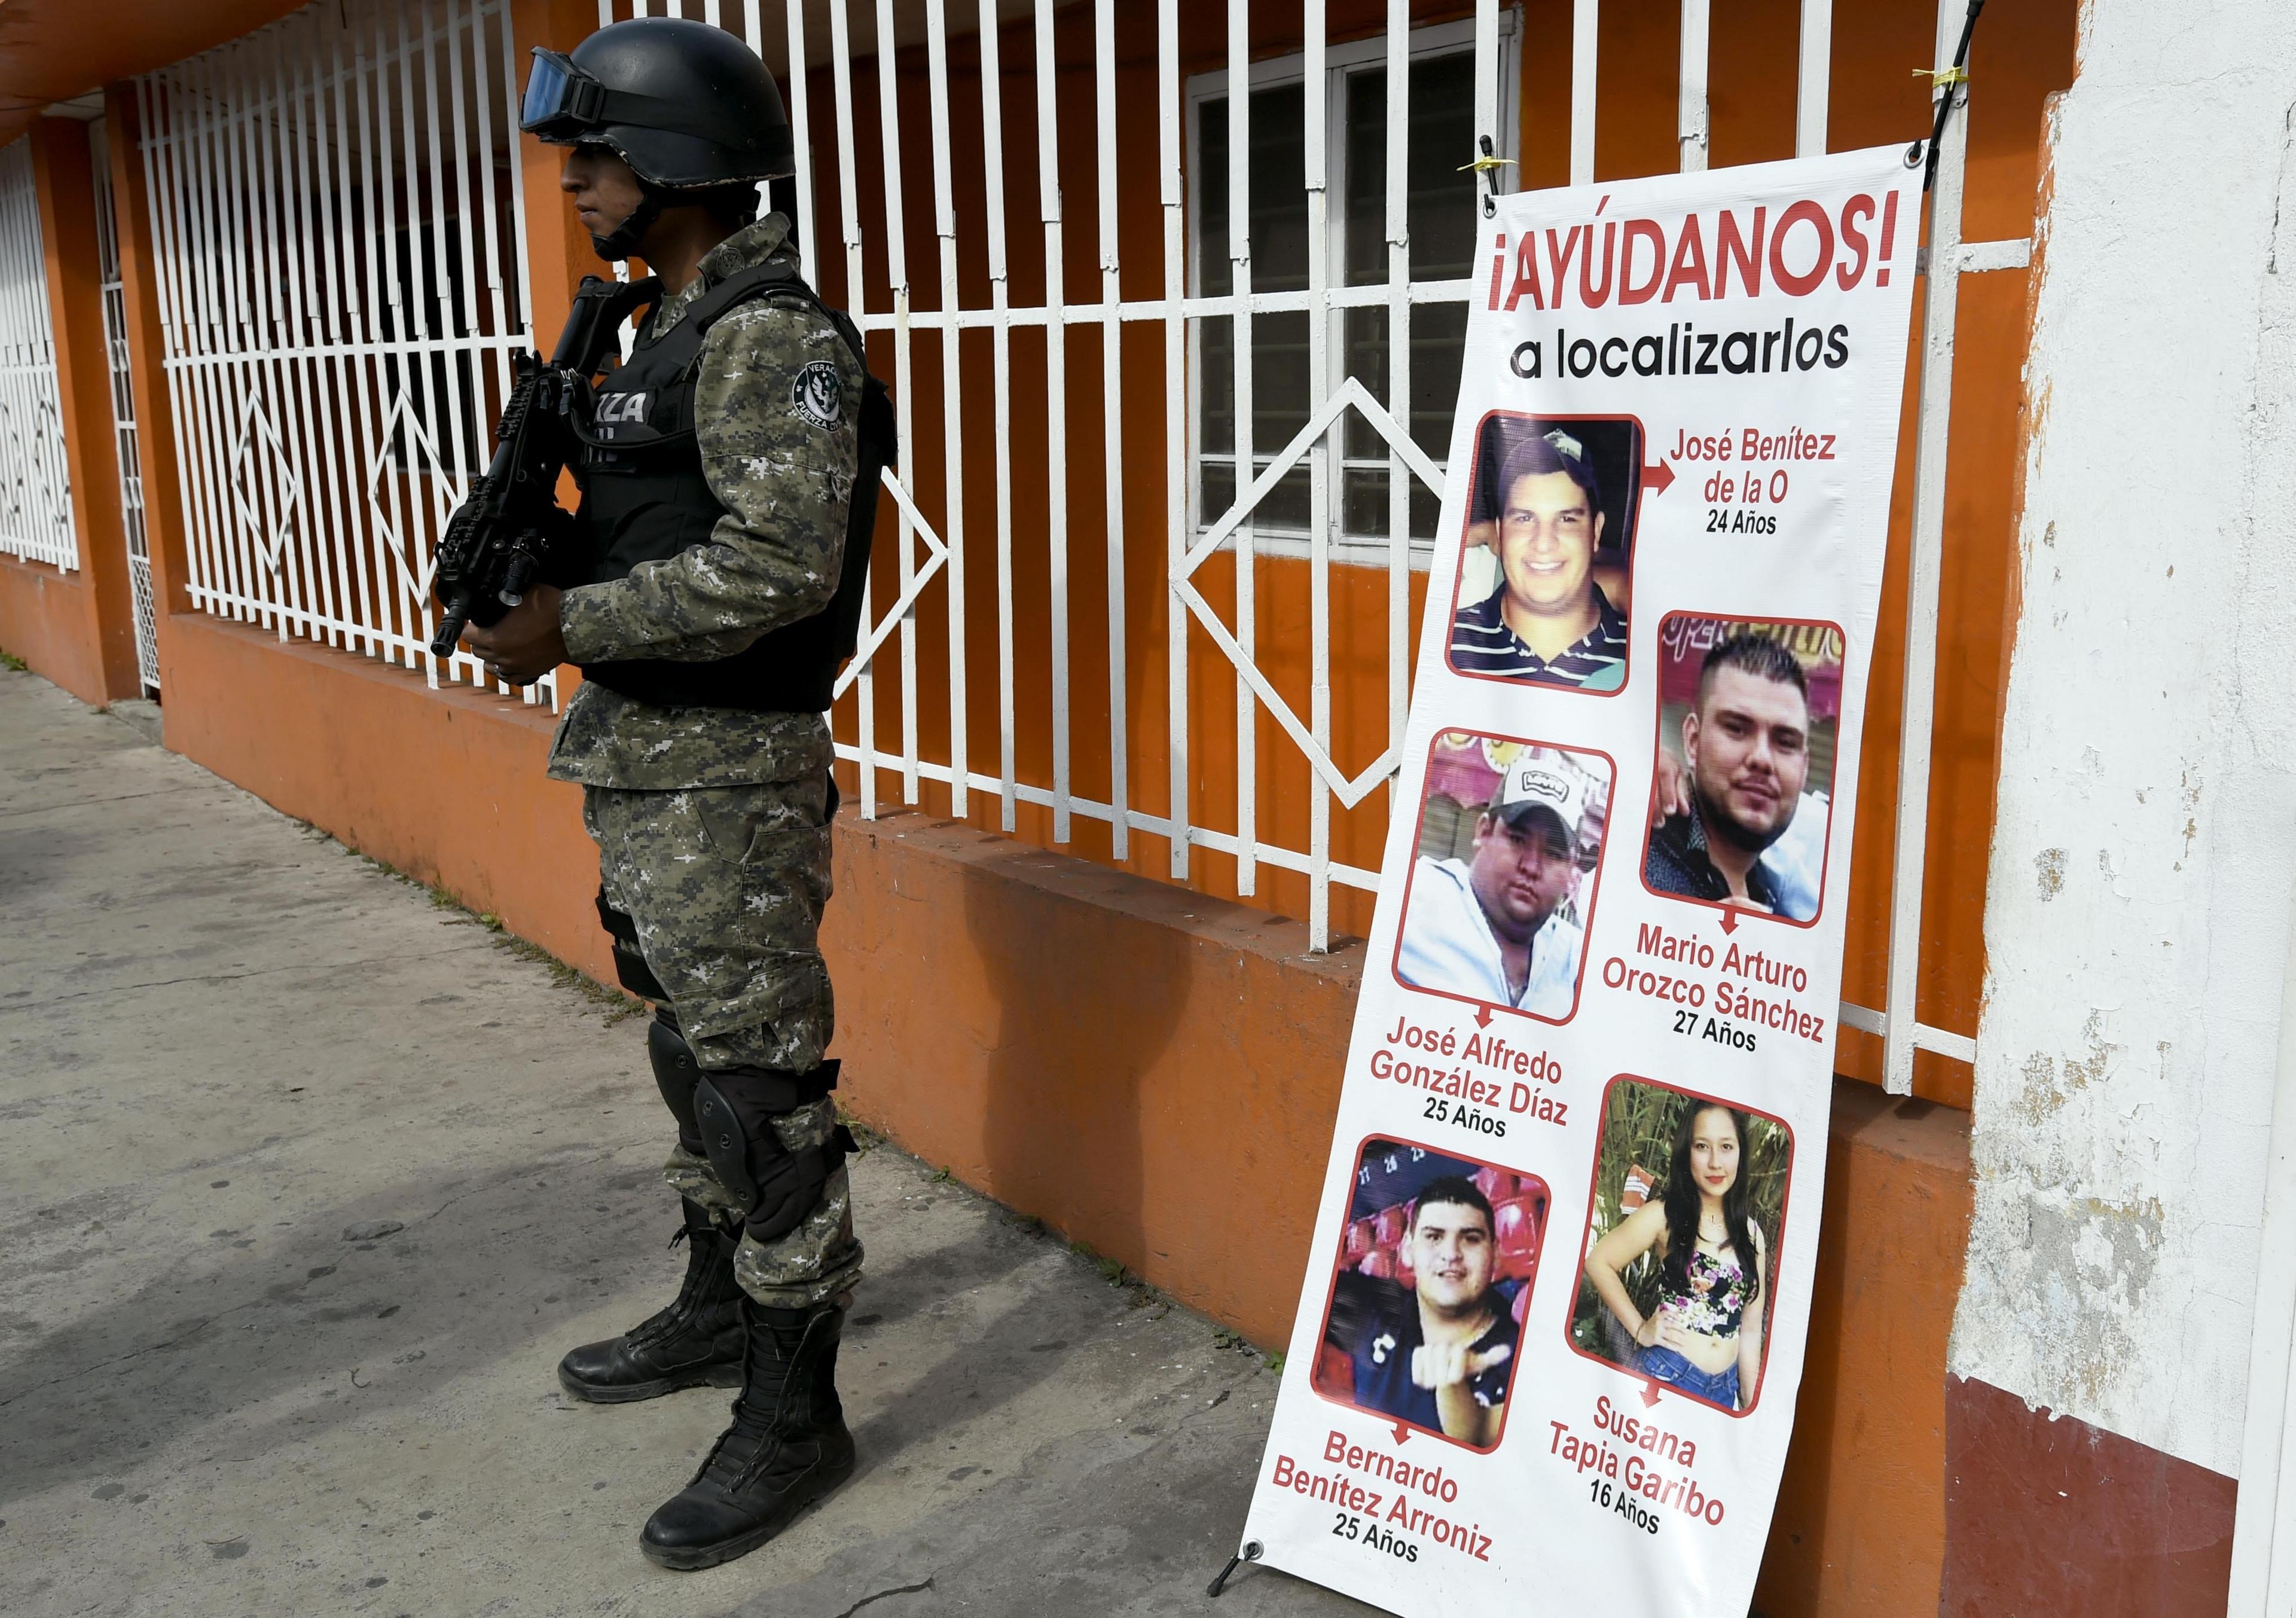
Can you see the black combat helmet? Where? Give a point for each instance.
(687, 106)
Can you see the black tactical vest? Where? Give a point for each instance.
(644, 499)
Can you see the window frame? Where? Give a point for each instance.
(1432, 40)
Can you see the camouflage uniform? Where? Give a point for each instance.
(712, 824)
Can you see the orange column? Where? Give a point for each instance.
(66, 182)
(155, 419)
(557, 252)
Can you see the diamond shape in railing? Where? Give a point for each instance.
(417, 580)
(254, 422)
(907, 604)
(1351, 395)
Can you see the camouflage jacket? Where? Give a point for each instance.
(773, 558)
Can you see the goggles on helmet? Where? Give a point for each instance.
(563, 104)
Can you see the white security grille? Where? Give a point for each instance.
(1229, 328)
(35, 486)
(336, 209)
(1354, 285)
(123, 412)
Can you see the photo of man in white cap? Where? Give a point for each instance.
(1495, 926)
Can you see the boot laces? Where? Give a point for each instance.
(681, 1311)
(758, 1442)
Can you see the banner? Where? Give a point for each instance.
(1553, 1324)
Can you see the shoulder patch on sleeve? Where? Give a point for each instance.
(816, 394)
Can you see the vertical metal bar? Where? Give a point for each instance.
(214, 375)
(303, 424)
(1239, 252)
(307, 78)
(387, 321)
(1486, 76)
(897, 274)
(351, 370)
(1000, 336)
(1585, 35)
(394, 336)
(1176, 428)
(518, 280)
(206, 326)
(415, 314)
(1056, 405)
(1814, 78)
(463, 350)
(952, 408)
(1314, 116)
(112, 291)
(227, 231)
(317, 322)
(442, 311)
(1940, 305)
(1399, 476)
(840, 53)
(1111, 350)
(258, 322)
(481, 152)
(1691, 116)
(802, 127)
(159, 191)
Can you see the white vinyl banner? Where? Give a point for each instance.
(1553, 1324)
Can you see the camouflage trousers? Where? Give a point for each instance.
(726, 885)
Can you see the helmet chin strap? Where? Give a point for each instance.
(623, 240)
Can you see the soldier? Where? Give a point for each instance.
(723, 468)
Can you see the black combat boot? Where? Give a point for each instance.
(695, 1343)
(787, 1447)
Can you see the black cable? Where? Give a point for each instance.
(1945, 103)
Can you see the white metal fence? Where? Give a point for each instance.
(336, 205)
(1259, 300)
(341, 273)
(36, 521)
(127, 447)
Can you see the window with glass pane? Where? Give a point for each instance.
(1441, 220)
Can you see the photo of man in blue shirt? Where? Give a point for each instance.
(1442, 1356)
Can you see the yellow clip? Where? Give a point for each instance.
(1482, 163)
(1939, 76)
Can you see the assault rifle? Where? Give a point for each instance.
(509, 534)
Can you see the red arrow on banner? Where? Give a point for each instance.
(1657, 479)
(1402, 1433)
(1729, 919)
(1482, 1016)
(1650, 1392)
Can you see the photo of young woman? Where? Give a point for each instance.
(1677, 1279)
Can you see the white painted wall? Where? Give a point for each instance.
(2144, 857)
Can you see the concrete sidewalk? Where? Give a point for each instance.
(306, 1183)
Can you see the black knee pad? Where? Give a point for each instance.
(776, 1188)
(675, 1071)
(629, 960)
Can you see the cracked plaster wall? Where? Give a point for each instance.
(2145, 853)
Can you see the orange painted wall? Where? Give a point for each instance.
(445, 786)
(76, 628)
(2023, 54)
(53, 50)
(1150, 1071)
(47, 618)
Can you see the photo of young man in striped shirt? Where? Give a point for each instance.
(1548, 619)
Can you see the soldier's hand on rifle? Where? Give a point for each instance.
(526, 643)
